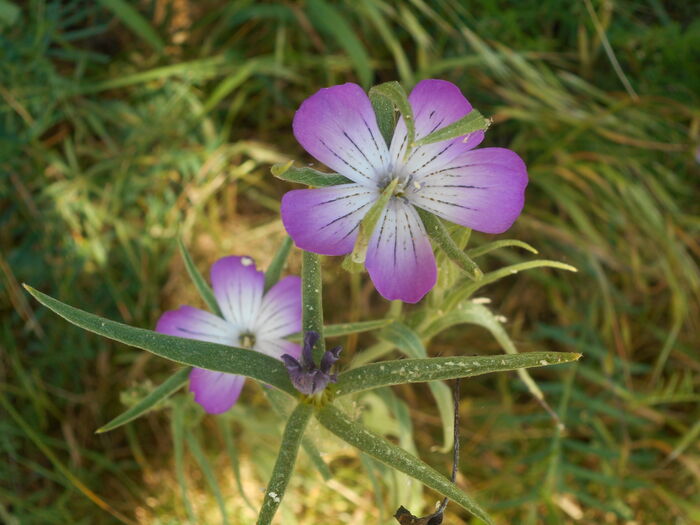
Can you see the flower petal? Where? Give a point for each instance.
(400, 259)
(193, 323)
(277, 347)
(280, 312)
(483, 189)
(238, 288)
(326, 220)
(436, 104)
(337, 125)
(215, 391)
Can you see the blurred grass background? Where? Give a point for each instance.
(124, 123)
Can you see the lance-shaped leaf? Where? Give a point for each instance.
(211, 356)
(385, 373)
(472, 121)
(200, 283)
(284, 465)
(307, 176)
(406, 340)
(208, 472)
(341, 329)
(496, 245)
(369, 223)
(395, 457)
(385, 113)
(396, 95)
(436, 229)
(273, 272)
(467, 288)
(312, 301)
(164, 390)
(473, 313)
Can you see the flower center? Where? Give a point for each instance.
(246, 340)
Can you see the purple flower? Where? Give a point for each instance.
(482, 189)
(251, 319)
(306, 377)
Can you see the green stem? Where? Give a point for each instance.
(282, 471)
(312, 289)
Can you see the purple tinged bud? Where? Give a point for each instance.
(306, 377)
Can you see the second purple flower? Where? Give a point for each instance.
(481, 189)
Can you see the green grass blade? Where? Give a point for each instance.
(495, 245)
(467, 288)
(408, 342)
(273, 272)
(200, 283)
(395, 457)
(232, 450)
(307, 176)
(436, 229)
(204, 464)
(472, 121)
(284, 466)
(329, 21)
(177, 427)
(64, 470)
(341, 329)
(385, 373)
(166, 389)
(134, 21)
(312, 300)
(191, 352)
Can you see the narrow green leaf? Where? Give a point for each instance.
(368, 465)
(177, 426)
(369, 223)
(436, 229)
(473, 313)
(339, 330)
(273, 272)
(206, 468)
(284, 466)
(134, 21)
(495, 245)
(408, 342)
(471, 122)
(312, 300)
(386, 115)
(191, 352)
(394, 93)
(329, 21)
(164, 390)
(307, 176)
(467, 288)
(385, 373)
(395, 457)
(205, 291)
